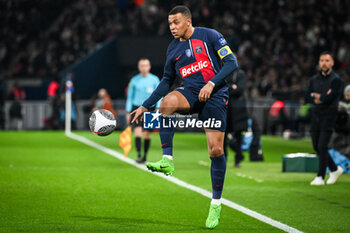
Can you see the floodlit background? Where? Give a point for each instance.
(52, 183)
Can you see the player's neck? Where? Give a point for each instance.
(189, 32)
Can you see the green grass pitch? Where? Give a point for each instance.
(51, 183)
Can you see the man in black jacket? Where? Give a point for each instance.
(324, 91)
(237, 115)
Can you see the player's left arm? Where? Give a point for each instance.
(230, 64)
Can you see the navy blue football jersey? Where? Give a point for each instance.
(197, 60)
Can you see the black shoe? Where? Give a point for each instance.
(258, 157)
(238, 160)
(140, 160)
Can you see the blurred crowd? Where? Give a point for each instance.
(277, 42)
(23, 29)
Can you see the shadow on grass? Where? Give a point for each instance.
(141, 224)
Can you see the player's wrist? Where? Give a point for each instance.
(212, 83)
(144, 108)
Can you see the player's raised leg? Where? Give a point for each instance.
(173, 102)
(215, 139)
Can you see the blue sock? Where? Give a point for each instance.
(166, 138)
(217, 172)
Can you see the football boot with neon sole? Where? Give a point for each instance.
(164, 165)
(214, 216)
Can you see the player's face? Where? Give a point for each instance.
(144, 67)
(178, 25)
(326, 62)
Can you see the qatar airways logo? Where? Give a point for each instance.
(193, 68)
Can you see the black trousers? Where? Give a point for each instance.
(235, 144)
(321, 132)
(255, 151)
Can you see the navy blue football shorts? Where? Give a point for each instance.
(214, 108)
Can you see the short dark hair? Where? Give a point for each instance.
(181, 9)
(327, 53)
(143, 58)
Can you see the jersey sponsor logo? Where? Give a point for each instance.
(193, 68)
(224, 51)
(188, 52)
(222, 41)
(198, 49)
(177, 58)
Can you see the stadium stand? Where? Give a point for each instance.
(276, 42)
(23, 25)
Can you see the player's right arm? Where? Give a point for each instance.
(161, 90)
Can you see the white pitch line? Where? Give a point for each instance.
(249, 177)
(203, 163)
(181, 183)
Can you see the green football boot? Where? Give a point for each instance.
(164, 165)
(214, 216)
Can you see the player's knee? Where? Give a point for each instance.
(167, 105)
(215, 151)
(147, 135)
(138, 131)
